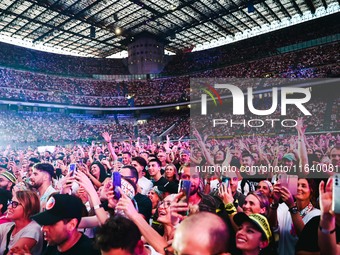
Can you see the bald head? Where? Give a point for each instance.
(202, 233)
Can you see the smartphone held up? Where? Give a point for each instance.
(335, 195)
(184, 187)
(72, 168)
(116, 183)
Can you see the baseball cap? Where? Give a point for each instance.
(59, 207)
(9, 176)
(289, 156)
(260, 222)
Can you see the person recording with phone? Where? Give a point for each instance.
(143, 202)
(292, 215)
(197, 201)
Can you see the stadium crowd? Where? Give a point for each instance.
(165, 190)
(260, 47)
(26, 59)
(216, 191)
(37, 127)
(318, 62)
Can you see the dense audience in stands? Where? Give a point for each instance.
(16, 85)
(254, 48)
(184, 195)
(22, 58)
(38, 127)
(261, 46)
(27, 127)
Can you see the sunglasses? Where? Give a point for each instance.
(14, 204)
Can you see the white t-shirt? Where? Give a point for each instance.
(32, 230)
(288, 237)
(44, 197)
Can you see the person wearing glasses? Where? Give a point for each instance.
(143, 202)
(169, 222)
(22, 232)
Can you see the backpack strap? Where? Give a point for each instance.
(8, 238)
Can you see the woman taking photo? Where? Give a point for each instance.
(22, 231)
(293, 215)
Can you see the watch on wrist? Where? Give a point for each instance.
(294, 210)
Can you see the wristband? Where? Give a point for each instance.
(230, 208)
(97, 206)
(327, 232)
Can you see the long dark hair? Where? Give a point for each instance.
(102, 174)
(314, 192)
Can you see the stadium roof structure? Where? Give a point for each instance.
(100, 28)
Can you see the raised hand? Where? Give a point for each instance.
(178, 207)
(125, 204)
(326, 196)
(287, 197)
(225, 194)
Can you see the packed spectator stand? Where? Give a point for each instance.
(257, 211)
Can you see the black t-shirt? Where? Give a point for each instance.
(250, 182)
(84, 246)
(166, 186)
(144, 205)
(308, 240)
(239, 198)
